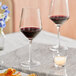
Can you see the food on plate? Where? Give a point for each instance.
(33, 74)
(10, 72)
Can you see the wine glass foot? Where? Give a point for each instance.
(55, 48)
(30, 64)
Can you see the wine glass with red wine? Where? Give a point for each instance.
(30, 26)
(59, 13)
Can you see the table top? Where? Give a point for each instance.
(17, 41)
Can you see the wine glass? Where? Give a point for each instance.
(30, 26)
(59, 13)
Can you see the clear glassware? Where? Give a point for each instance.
(60, 58)
(60, 62)
(2, 39)
(2, 42)
(59, 13)
(30, 26)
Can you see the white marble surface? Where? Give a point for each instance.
(41, 53)
(17, 40)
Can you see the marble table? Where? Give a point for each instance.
(16, 44)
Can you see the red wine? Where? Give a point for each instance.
(30, 32)
(59, 19)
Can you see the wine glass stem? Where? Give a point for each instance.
(58, 30)
(30, 58)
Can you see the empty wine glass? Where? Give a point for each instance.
(59, 13)
(30, 26)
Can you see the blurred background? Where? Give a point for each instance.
(68, 29)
